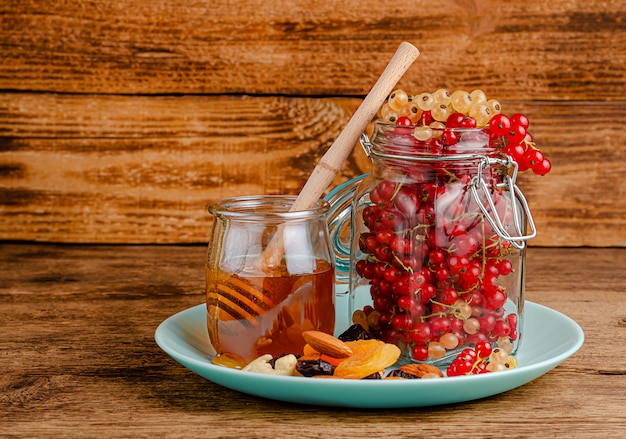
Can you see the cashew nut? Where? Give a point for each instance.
(284, 366)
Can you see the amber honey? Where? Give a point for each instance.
(253, 312)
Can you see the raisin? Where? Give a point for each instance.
(355, 332)
(374, 376)
(401, 374)
(309, 368)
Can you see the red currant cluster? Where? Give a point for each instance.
(481, 359)
(519, 142)
(433, 114)
(433, 266)
(439, 272)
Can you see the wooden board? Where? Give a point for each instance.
(79, 358)
(548, 49)
(148, 173)
(120, 121)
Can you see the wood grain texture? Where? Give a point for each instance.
(121, 120)
(559, 49)
(78, 357)
(143, 169)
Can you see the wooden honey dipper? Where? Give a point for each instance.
(330, 164)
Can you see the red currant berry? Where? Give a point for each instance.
(384, 236)
(512, 320)
(419, 353)
(449, 138)
(437, 256)
(383, 192)
(426, 118)
(490, 283)
(407, 201)
(381, 304)
(447, 296)
(421, 333)
(392, 274)
(520, 119)
(401, 322)
(383, 253)
(515, 151)
(516, 134)
(442, 274)
(483, 349)
(542, 168)
(379, 269)
(427, 292)
(487, 323)
(454, 120)
(499, 125)
(439, 326)
(465, 367)
(472, 274)
(457, 264)
(363, 269)
(505, 267)
(502, 329)
(496, 299)
(532, 157)
(401, 245)
(468, 122)
(404, 122)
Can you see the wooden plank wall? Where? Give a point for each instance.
(120, 120)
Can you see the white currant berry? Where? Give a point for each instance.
(499, 355)
(478, 96)
(496, 367)
(435, 350)
(442, 96)
(387, 114)
(461, 101)
(424, 101)
(449, 340)
(505, 344)
(412, 111)
(423, 133)
(494, 106)
(481, 113)
(440, 112)
(511, 363)
(398, 99)
(437, 128)
(471, 326)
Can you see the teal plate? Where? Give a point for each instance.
(549, 338)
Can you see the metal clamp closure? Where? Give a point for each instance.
(490, 212)
(366, 144)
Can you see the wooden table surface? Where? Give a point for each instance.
(78, 356)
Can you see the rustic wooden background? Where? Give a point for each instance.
(121, 120)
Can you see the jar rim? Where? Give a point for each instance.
(266, 207)
(390, 140)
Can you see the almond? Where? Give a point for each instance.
(419, 370)
(327, 344)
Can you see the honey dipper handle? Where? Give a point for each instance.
(330, 164)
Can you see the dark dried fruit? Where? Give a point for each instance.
(374, 376)
(309, 368)
(355, 332)
(397, 373)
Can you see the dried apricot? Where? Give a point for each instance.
(364, 345)
(365, 363)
